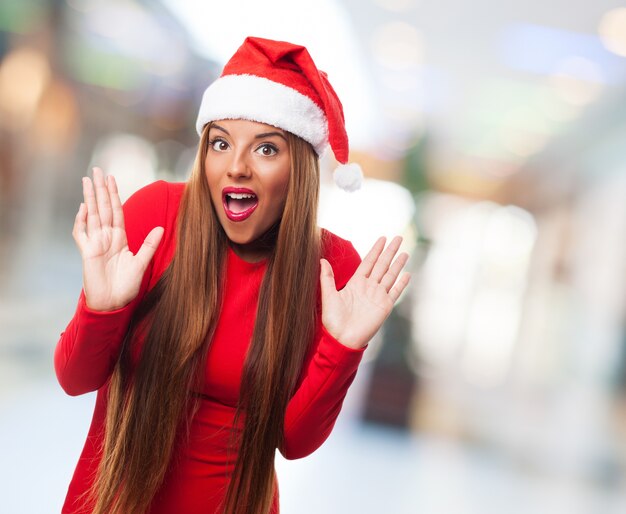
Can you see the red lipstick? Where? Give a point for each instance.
(239, 203)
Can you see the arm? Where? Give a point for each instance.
(355, 303)
(89, 347)
(328, 371)
(313, 409)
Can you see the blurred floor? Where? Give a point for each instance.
(360, 469)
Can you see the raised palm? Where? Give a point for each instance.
(355, 313)
(111, 272)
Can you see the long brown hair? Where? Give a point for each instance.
(149, 409)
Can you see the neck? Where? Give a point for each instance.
(258, 249)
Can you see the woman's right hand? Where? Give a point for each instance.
(111, 273)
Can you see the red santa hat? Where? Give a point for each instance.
(277, 83)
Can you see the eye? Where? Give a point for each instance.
(267, 149)
(218, 144)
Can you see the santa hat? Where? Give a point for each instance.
(277, 83)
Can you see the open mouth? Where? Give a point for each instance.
(239, 203)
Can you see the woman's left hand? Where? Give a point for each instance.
(354, 314)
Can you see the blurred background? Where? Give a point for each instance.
(493, 137)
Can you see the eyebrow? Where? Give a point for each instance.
(258, 136)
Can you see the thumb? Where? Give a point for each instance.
(150, 244)
(327, 278)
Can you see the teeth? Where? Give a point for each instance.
(240, 196)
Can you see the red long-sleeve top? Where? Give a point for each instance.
(89, 347)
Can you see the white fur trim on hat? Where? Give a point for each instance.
(348, 176)
(259, 99)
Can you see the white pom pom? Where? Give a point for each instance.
(348, 176)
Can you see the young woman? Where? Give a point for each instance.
(216, 321)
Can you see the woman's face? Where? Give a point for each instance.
(247, 167)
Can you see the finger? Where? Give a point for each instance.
(116, 204)
(93, 218)
(102, 197)
(390, 277)
(149, 246)
(327, 278)
(365, 268)
(382, 263)
(79, 231)
(401, 284)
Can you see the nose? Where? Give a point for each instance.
(239, 166)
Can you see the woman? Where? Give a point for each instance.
(216, 321)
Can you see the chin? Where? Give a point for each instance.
(264, 238)
(240, 240)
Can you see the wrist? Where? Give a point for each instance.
(97, 307)
(347, 339)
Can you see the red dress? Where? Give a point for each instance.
(198, 478)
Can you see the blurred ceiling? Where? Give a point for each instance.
(488, 88)
(492, 84)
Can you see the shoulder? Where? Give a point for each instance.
(156, 195)
(341, 255)
(151, 206)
